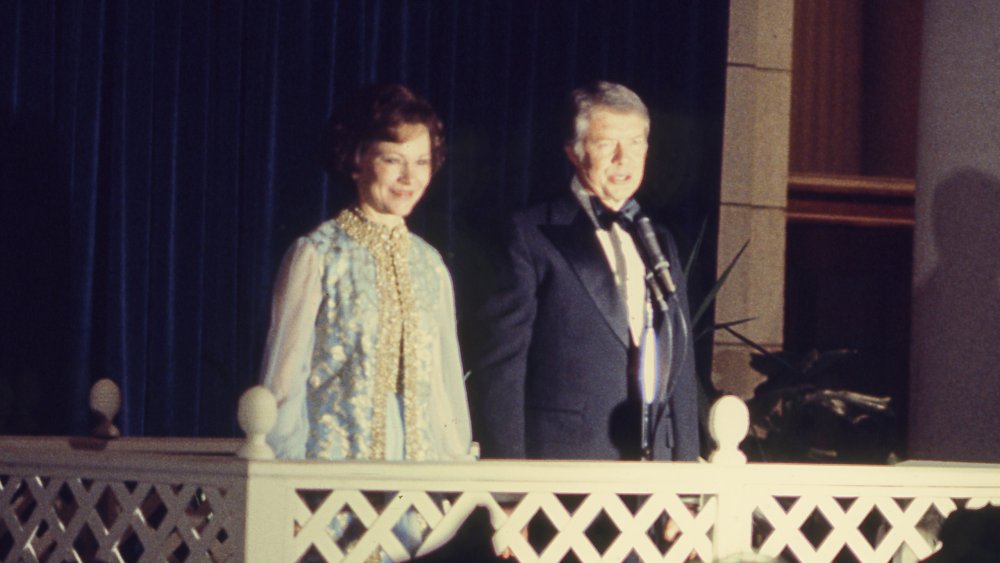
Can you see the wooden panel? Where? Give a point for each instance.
(826, 87)
(850, 200)
(891, 79)
(855, 80)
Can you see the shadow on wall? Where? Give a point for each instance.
(956, 326)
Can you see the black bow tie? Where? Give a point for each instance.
(606, 217)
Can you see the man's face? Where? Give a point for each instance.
(614, 156)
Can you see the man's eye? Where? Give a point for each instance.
(390, 160)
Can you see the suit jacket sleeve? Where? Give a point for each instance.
(498, 379)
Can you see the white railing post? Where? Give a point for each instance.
(257, 412)
(728, 423)
(105, 401)
(268, 525)
(266, 504)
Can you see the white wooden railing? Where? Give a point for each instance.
(133, 499)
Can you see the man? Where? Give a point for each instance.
(559, 376)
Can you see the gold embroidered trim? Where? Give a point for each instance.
(396, 366)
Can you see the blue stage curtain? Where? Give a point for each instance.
(156, 159)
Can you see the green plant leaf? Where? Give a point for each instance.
(693, 257)
(707, 302)
(722, 326)
(818, 362)
(760, 349)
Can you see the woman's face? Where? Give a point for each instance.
(392, 176)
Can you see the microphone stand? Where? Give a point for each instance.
(660, 288)
(646, 446)
(648, 361)
(656, 292)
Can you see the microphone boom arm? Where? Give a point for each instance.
(659, 268)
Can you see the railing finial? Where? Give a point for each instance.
(728, 422)
(257, 413)
(105, 401)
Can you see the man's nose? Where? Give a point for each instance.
(619, 154)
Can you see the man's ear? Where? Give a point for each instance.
(571, 155)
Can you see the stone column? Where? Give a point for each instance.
(754, 185)
(955, 379)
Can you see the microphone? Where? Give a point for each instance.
(658, 262)
(631, 215)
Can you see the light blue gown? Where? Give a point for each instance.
(362, 354)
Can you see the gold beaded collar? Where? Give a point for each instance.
(370, 233)
(396, 353)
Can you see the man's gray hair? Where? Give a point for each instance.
(600, 94)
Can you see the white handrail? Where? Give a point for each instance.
(129, 498)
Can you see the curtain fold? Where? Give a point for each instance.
(157, 158)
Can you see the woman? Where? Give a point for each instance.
(362, 354)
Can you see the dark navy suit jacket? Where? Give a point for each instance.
(551, 380)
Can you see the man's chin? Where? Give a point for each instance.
(624, 194)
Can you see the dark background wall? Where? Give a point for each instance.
(955, 380)
(157, 158)
(852, 160)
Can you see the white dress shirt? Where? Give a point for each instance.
(626, 264)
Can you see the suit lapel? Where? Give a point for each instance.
(572, 234)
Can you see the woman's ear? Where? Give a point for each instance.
(356, 159)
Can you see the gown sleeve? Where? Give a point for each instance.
(451, 429)
(288, 351)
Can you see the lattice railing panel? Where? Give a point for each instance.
(824, 527)
(351, 525)
(73, 519)
(142, 500)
